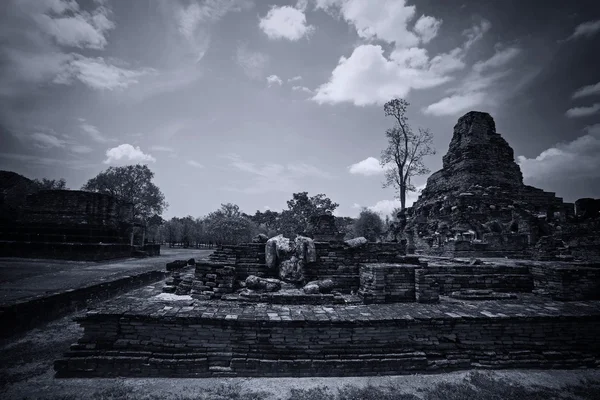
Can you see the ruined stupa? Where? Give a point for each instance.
(479, 196)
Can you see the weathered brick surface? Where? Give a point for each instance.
(387, 283)
(340, 262)
(564, 281)
(186, 339)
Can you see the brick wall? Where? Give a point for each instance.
(231, 345)
(567, 282)
(385, 283)
(340, 262)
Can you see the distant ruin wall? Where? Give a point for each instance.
(65, 251)
(224, 345)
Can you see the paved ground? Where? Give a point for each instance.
(24, 279)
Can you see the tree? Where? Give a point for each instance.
(227, 225)
(132, 183)
(369, 225)
(301, 208)
(403, 157)
(50, 184)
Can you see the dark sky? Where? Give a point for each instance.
(249, 101)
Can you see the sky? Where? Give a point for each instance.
(250, 101)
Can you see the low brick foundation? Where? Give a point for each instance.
(219, 339)
(567, 281)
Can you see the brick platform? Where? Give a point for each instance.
(137, 336)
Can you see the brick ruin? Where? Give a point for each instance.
(325, 307)
(69, 224)
(387, 313)
(478, 206)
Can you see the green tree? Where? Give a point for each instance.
(132, 183)
(403, 158)
(369, 225)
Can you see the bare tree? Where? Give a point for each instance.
(403, 158)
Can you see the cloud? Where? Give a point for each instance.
(588, 90)
(41, 40)
(272, 177)
(126, 153)
(46, 141)
(586, 29)
(274, 79)
(577, 112)
(194, 164)
(194, 20)
(369, 77)
(385, 207)
(368, 167)
(295, 78)
(302, 89)
(481, 87)
(74, 27)
(98, 74)
(285, 23)
(93, 132)
(252, 63)
(386, 20)
(565, 161)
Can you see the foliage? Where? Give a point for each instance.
(228, 225)
(301, 208)
(50, 184)
(132, 183)
(345, 225)
(405, 152)
(369, 225)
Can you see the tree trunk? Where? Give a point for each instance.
(402, 197)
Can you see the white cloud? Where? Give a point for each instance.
(67, 23)
(564, 161)
(586, 29)
(455, 104)
(588, 90)
(427, 28)
(480, 89)
(41, 40)
(98, 74)
(274, 79)
(369, 77)
(385, 207)
(499, 59)
(302, 89)
(295, 78)
(126, 153)
(93, 132)
(194, 20)
(252, 63)
(368, 167)
(386, 20)
(195, 164)
(285, 23)
(577, 112)
(46, 141)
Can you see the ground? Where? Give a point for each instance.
(24, 279)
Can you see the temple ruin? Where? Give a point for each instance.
(322, 306)
(68, 224)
